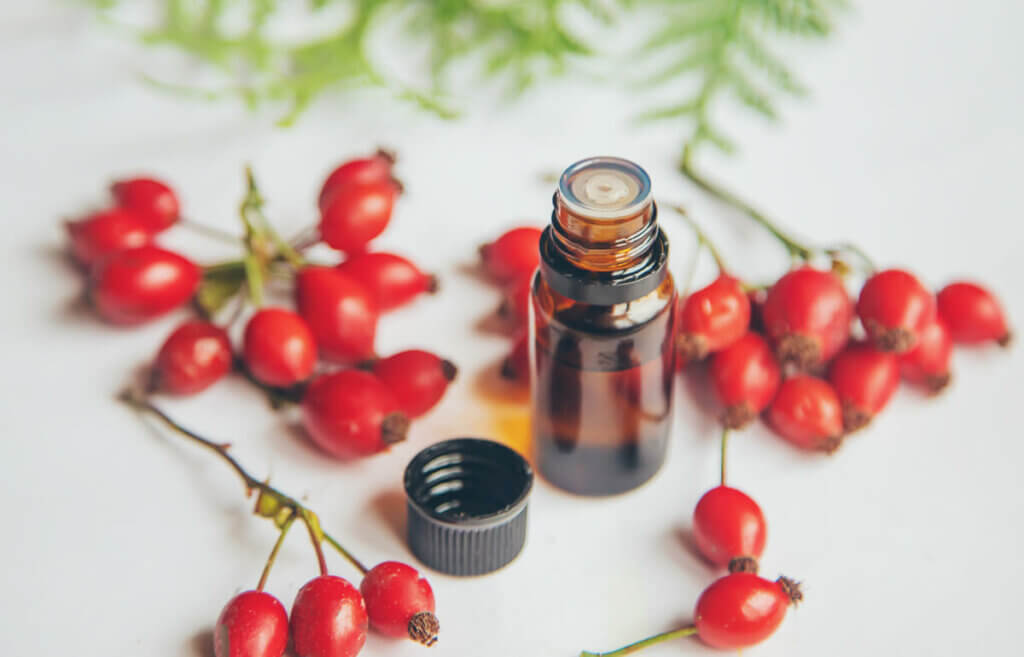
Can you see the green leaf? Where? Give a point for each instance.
(670, 112)
(768, 64)
(218, 287)
(750, 95)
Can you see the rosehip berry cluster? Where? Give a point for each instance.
(817, 364)
(510, 262)
(347, 412)
(330, 617)
(819, 367)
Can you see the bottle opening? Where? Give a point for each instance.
(605, 188)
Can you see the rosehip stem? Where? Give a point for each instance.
(345, 553)
(252, 214)
(273, 553)
(725, 444)
(795, 248)
(649, 641)
(276, 499)
(702, 238)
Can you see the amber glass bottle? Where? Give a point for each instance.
(602, 362)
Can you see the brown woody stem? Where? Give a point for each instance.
(140, 403)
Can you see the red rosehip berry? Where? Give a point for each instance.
(418, 379)
(743, 609)
(516, 366)
(727, 524)
(103, 233)
(360, 171)
(865, 379)
(745, 376)
(340, 313)
(391, 280)
(514, 254)
(712, 318)
(972, 314)
(350, 414)
(194, 357)
(278, 347)
(356, 214)
(152, 200)
(140, 284)
(927, 364)
(806, 412)
(894, 308)
(400, 603)
(807, 314)
(253, 624)
(328, 619)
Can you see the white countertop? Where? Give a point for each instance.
(121, 541)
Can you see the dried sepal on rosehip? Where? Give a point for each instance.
(894, 308)
(712, 318)
(400, 602)
(351, 413)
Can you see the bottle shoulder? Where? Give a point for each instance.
(551, 306)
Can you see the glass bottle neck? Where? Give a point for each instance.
(603, 243)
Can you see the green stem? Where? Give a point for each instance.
(142, 404)
(345, 553)
(848, 247)
(316, 536)
(795, 248)
(252, 209)
(703, 238)
(640, 645)
(273, 553)
(725, 444)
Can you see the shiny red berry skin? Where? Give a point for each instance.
(253, 624)
(194, 357)
(395, 593)
(806, 411)
(391, 280)
(360, 171)
(807, 314)
(712, 318)
(418, 379)
(514, 254)
(894, 308)
(340, 312)
(351, 413)
(745, 376)
(741, 610)
(143, 283)
(972, 314)
(328, 619)
(154, 201)
(356, 214)
(927, 364)
(865, 379)
(727, 524)
(103, 233)
(278, 347)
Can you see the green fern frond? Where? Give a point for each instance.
(726, 50)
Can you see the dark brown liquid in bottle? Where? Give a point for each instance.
(603, 359)
(602, 389)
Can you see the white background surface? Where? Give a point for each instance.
(119, 541)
